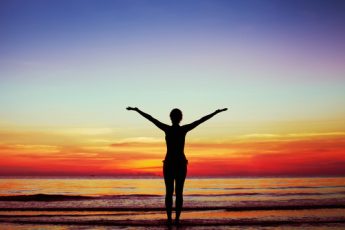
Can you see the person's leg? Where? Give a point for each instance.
(169, 189)
(180, 178)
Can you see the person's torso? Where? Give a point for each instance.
(175, 140)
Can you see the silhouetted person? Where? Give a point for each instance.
(175, 162)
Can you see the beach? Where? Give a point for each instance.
(127, 203)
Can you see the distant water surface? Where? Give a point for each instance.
(228, 203)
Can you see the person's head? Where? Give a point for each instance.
(176, 116)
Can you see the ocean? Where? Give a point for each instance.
(209, 203)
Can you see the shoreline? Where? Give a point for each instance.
(200, 208)
(183, 222)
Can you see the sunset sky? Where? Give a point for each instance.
(68, 70)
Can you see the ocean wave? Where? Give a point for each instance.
(268, 194)
(275, 188)
(58, 197)
(184, 223)
(43, 197)
(186, 208)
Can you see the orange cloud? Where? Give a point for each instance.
(321, 155)
(81, 153)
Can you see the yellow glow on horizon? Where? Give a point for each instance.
(96, 151)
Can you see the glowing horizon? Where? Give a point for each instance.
(69, 69)
(83, 152)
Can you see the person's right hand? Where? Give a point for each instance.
(132, 108)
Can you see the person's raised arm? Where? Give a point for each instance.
(203, 119)
(159, 124)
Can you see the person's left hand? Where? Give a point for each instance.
(132, 108)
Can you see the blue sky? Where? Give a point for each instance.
(82, 62)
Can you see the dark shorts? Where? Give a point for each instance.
(175, 169)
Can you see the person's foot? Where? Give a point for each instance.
(169, 222)
(177, 221)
